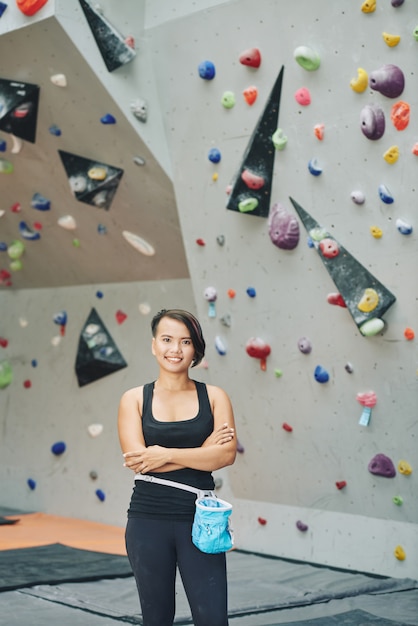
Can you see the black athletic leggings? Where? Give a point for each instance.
(155, 548)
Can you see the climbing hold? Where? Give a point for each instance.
(391, 40)
(400, 553)
(228, 99)
(398, 500)
(101, 229)
(303, 96)
(301, 526)
(391, 155)
(30, 7)
(388, 80)
(372, 327)
(405, 228)
(3, 7)
(385, 195)
(16, 207)
(120, 316)
(60, 319)
(404, 468)
(258, 349)
(415, 33)
(381, 465)
(144, 308)
(27, 232)
(59, 80)
(231, 293)
(369, 300)
(400, 114)
(101, 495)
(27, 384)
(372, 120)
(108, 119)
(140, 109)
(58, 448)
(368, 401)
(376, 232)
(283, 228)
(94, 430)
(361, 82)
(138, 243)
(6, 374)
(93, 475)
(336, 299)
(247, 205)
(226, 320)
(318, 233)
(214, 155)
(321, 375)
(307, 58)
(305, 345)
(97, 173)
(3, 342)
(215, 176)
(368, 6)
(16, 249)
(287, 427)
(210, 294)
(3, 145)
(6, 167)
(55, 130)
(319, 131)
(16, 265)
(409, 334)
(329, 248)
(340, 484)
(139, 160)
(397, 3)
(31, 483)
(278, 373)
(3, 246)
(34, 363)
(252, 180)
(262, 521)
(251, 292)
(220, 345)
(17, 145)
(240, 447)
(250, 95)
(206, 70)
(358, 197)
(67, 222)
(279, 139)
(314, 167)
(99, 294)
(415, 149)
(251, 58)
(200, 242)
(39, 202)
(220, 240)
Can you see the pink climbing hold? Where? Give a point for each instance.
(329, 248)
(251, 57)
(303, 96)
(253, 181)
(382, 465)
(367, 398)
(258, 349)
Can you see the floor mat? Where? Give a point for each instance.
(351, 618)
(54, 564)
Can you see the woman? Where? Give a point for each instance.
(180, 430)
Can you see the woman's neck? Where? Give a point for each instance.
(174, 382)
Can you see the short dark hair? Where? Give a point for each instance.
(192, 324)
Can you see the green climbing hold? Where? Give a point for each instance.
(248, 205)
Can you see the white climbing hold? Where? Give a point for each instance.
(139, 243)
(60, 80)
(67, 222)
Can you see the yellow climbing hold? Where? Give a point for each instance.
(376, 232)
(391, 155)
(97, 173)
(369, 301)
(399, 552)
(391, 40)
(404, 468)
(368, 6)
(215, 176)
(361, 82)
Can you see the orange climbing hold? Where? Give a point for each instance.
(231, 293)
(409, 334)
(30, 7)
(319, 131)
(250, 95)
(400, 115)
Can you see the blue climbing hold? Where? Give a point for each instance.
(40, 203)
(3, 246)
(321, 374)
(251, 292)
(34, 363)
(27, 232)
(101, 495)
(58, 448)
(31, 483)
(207, 70)
(385, 195)
(3, 7)
(55, 130)
(99, 294)
(214, 155)
(108, 119)
(101, 229)
(3, 145)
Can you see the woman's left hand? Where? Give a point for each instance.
(147, 460)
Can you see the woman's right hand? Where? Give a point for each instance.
(219, 436)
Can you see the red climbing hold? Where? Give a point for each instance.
(287, 427)
(336, 298)
(251, 57)
(262, 521)
(340, 484)
(258, 349)
(3, 342)
(200, 242)
(120, 316)
(16, 207)
(27, 384)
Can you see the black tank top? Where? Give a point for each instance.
(159, 501)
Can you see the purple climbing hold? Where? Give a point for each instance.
(372, 121)
(388, 80)
(283, 228)
(305, 345)
(321, 375)
(108, 119)
(301, 526)
(397, 3)
(207, 70)
(381, 465)
(58, 448)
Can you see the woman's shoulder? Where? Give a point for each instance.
(215, 392)
(133, 394)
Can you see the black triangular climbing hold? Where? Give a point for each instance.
(251, 189)
(365, 297)
(19, 108)
(97, 354)
(114, 50)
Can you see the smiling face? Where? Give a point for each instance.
(172, 345)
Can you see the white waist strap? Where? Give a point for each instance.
(171, 483)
